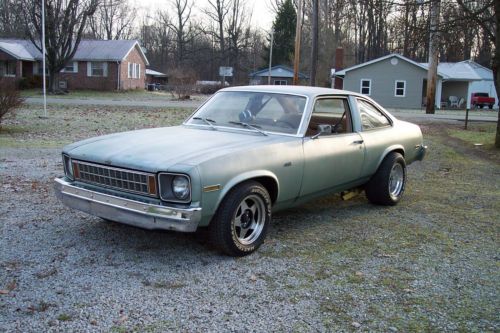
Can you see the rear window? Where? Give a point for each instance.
(481, 94)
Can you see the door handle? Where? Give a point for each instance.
(358, 142)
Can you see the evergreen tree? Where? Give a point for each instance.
(284, 35)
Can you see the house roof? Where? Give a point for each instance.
(458, 71)
(93, 50)
(155, 73)
(277, 71)
(19, 49)
(450, 71)
(392, 55)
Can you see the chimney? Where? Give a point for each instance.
(339, 64)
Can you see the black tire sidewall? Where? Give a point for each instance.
(377, 189)
(223, 223)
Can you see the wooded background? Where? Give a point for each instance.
(221, 34)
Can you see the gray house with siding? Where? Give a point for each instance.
(398, 82)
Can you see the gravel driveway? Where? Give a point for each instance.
(429, 264)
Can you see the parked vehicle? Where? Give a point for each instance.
(246, 152)
(480, 100)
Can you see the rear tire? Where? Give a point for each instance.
(490, 106)
(387, 185)
(242, 219)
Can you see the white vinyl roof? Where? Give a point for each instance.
(155, 73)
(457, 71)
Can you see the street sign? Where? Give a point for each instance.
(225, 71)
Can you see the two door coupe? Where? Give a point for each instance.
(245, 153)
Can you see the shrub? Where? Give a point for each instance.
(182, 81)
(209, 89)
(9, 98)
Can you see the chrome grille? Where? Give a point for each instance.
(121, 179)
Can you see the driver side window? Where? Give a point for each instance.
(333, 112)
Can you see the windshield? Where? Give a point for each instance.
(258, 111)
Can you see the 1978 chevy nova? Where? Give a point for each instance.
(244, 153)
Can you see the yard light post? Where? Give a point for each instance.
(43, 61)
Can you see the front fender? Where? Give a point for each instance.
(212, 200)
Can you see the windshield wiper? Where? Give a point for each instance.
(207, 121)
(254, 127)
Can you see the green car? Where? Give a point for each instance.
(245, 153)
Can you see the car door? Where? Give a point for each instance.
(331, 159)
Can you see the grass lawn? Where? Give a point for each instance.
(137, 95)
(66, 124)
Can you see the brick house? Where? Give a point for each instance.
(97, 64)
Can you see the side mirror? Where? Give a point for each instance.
(322, 129)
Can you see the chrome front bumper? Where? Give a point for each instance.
(135, 213)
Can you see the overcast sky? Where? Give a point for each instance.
(262, 15)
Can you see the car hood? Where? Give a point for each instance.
(158, 149)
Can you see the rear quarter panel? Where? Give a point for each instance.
(401, 136)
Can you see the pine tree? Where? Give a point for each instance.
(284, 35)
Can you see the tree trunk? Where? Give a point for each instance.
(314, 43)
(52, 81)
(433, 57)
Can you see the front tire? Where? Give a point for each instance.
(387, 186)
(241, 222)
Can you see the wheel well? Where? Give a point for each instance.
(271, 186)
(401, 151)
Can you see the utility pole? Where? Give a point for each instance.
(298, 30)
(270, 57)
(314, 42)
(433, 56)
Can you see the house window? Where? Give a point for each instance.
(71, 67)
(134, 71)
(280, 82)
(137, 71)
(366, 87)
(97, 68)
(400, 88)
(8, 68)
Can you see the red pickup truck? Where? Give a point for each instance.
(481, 100)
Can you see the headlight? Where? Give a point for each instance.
(68, 168)
(175, 187)
(180, 187)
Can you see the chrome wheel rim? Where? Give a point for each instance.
(396, 180)
(249, 219)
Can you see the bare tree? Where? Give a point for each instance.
(181, 27)
(113, 19)
(65, 21)
(238, 32)
(217, 11)
(10, 25)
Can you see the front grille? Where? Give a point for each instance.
(121, 179)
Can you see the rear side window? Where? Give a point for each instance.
(371, 117)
